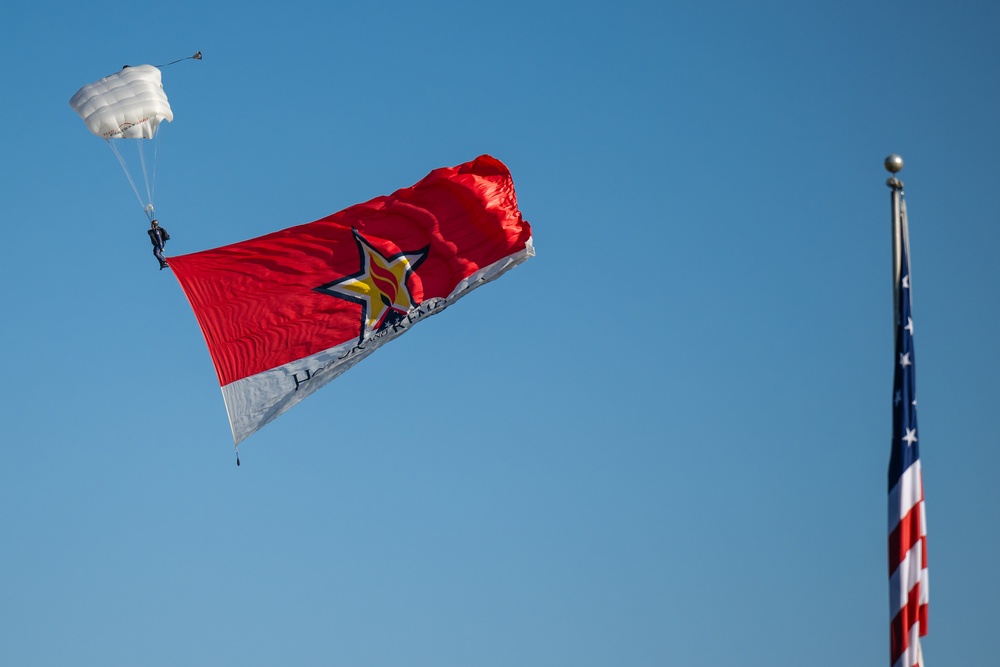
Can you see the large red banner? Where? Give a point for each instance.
(285, 313)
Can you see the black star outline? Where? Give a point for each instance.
(414, 260)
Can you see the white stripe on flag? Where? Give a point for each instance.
(905, 495)
(909, 573)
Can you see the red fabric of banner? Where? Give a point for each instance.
(257, 301)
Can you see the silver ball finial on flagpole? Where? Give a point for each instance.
(894, 164)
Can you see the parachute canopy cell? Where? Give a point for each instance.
(127, 105)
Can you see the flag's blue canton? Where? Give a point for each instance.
(905, 451)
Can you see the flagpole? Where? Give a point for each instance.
(894, 164)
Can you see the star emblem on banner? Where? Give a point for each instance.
(381, 286)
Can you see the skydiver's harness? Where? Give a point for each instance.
(158, 236)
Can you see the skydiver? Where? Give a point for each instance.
(159, 237)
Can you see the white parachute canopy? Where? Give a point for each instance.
(127, 107)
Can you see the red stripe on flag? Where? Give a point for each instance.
(899, 628)
(906, 534)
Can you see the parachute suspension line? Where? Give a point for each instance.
(124, 165)
(149, 171)
(145, 171)
(156, 150)
(150, 179)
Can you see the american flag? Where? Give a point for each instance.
(907, 523)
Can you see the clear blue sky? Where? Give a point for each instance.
(661, 441)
